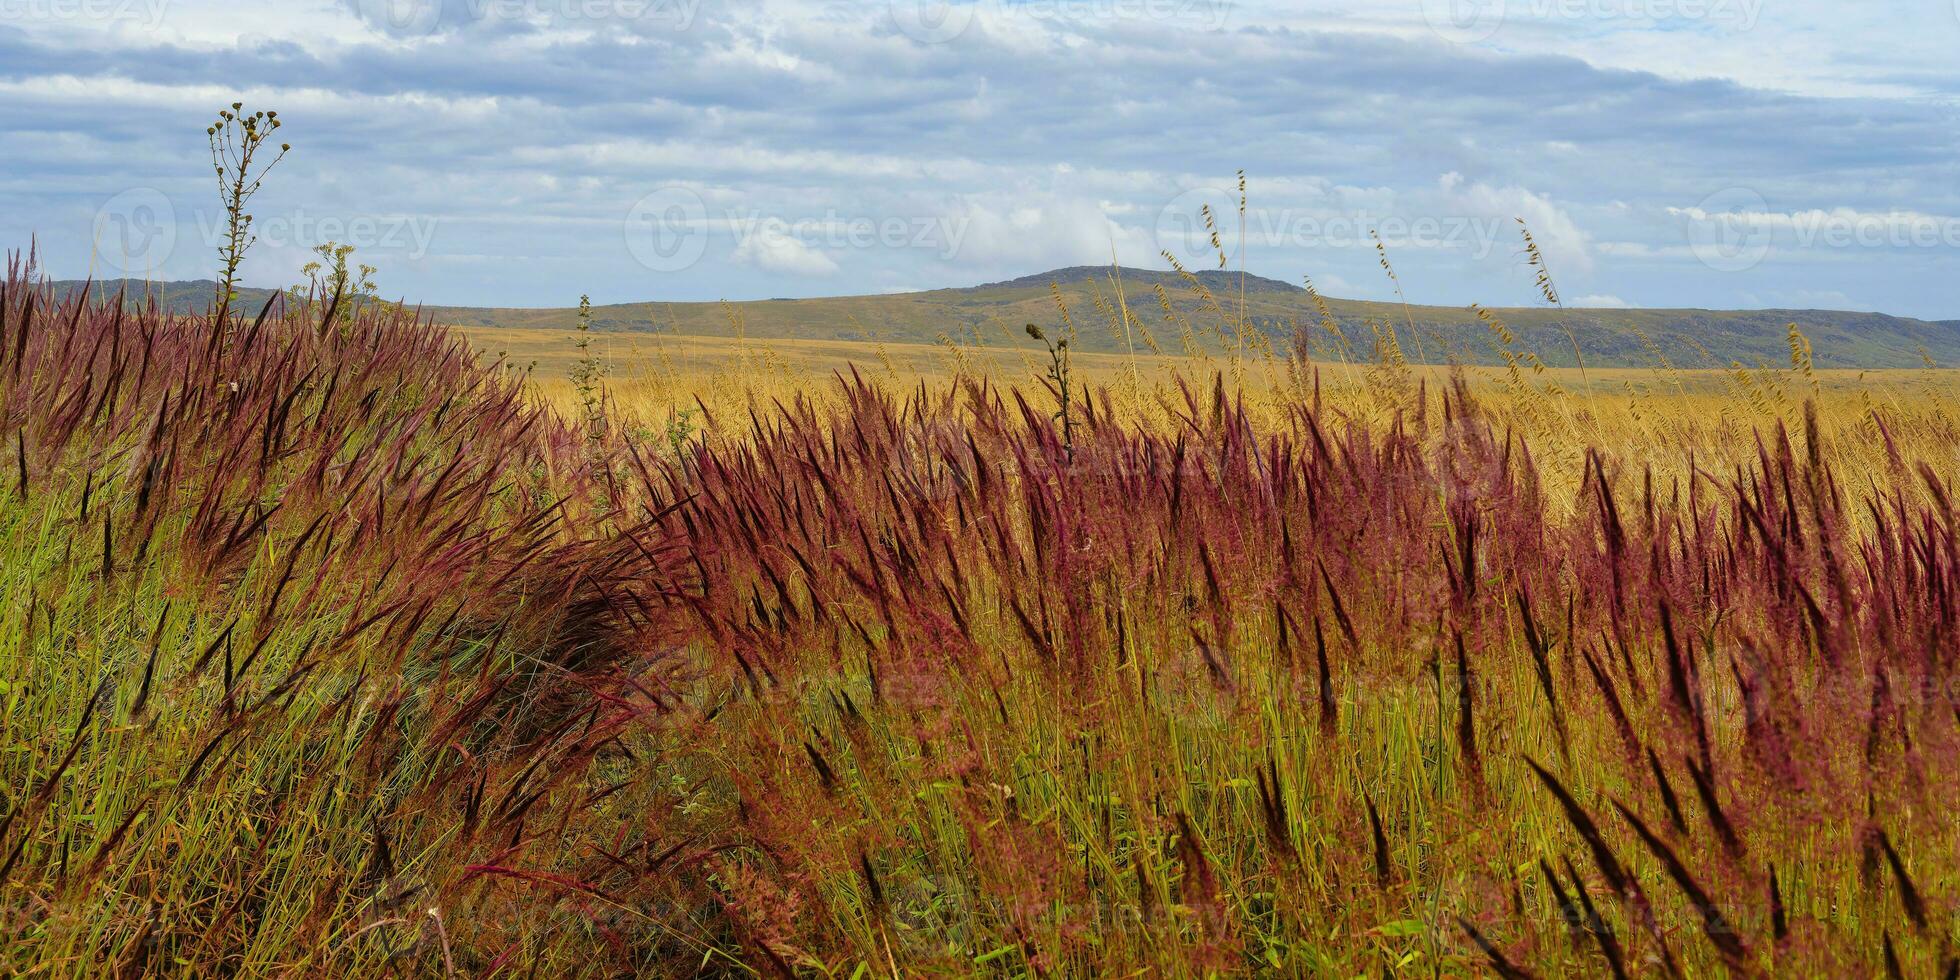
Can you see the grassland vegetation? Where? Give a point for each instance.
(329, 645)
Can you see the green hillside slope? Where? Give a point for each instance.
(993, 315)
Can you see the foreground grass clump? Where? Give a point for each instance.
(328, 651)
(303, 618)
(1323, 699)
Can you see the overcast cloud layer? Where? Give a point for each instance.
(1717, 153)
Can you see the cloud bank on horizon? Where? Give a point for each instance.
(1714, 153)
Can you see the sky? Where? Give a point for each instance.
(1665, 153)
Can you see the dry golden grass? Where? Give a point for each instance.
(1664, 418)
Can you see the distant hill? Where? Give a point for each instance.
(994, 314)
(182, 296)
(1217, 280)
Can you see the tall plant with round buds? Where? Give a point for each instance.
(237, 141)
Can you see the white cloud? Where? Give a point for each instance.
(1034, 232)
(1043, 136)
(1805, 299)
(1567, 247)
(1817, 47)
(771, 248)
(1334, 285)
(1601, 301)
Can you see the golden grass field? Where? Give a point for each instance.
(1661, 416)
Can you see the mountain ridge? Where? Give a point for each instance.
(992, 314)
(1212, 278)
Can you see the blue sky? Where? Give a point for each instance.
(1714, 153)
